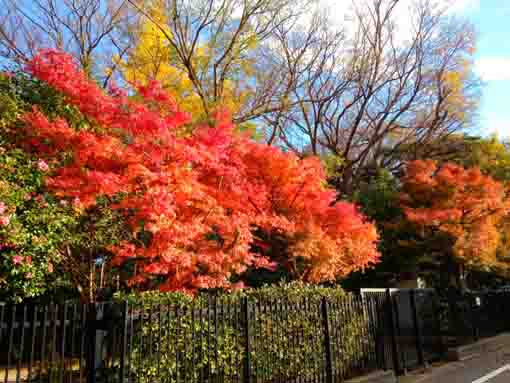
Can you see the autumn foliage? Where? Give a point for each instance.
(468, 206)
(191, 200)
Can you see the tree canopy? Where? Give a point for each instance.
(462, 210)
(191, 201)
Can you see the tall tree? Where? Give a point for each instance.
(217, 52)
(193, 203)
(385, 98)
(93, 31)
(460, 215)
(155, 56)
(490, 154)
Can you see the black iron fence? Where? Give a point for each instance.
(472, 315)
(227, 340)
(217, 340)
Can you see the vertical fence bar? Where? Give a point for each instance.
(11, 336)
(506, 316)
(92, 340)
(177, 353)
(437, 312)
(72, 331)
(63, 343)
(277, 334)
(245, 306)
(149, 327)
(18, 367)
(159, 343)
(334, 318)
(33, 333)
(454, 325)
(350, 347)
(53, 355)
(216, 343)
(222, 334)
(327, 340)
(417, 329)
(393, 332)
(474, 321)
(397, 325)
(372, 333)
(131, 332)
(169, 312)
(261, 322)
(358, 345)
(123, 341)
(210, 352)
(43, 341)
(141, 317)
(386, 331)
(83, 329)
(2, 313)
(200, 341)
(316, 310)
(239, 358)
(193, 343)
(73, 338)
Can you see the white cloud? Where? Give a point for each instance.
(496, 125)
(493, 68)
(459, 6)
(340, 10)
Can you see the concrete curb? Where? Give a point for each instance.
(478, 348)
(460, 355)
(376, 377)
(432, 373)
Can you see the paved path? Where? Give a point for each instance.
(493, 367)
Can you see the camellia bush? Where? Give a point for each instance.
(46, 244)
(34, 225)
(192, 197)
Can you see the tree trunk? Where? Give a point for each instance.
(452, 274)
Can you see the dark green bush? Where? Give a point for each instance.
(204, 336)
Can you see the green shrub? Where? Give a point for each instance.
(190, 337)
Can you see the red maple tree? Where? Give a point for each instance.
(467, 206)
(199, 195)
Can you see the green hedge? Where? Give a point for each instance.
(204, 336)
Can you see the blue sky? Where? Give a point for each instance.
(492, 21)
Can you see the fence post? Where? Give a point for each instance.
(455, 327)
(417, 329)
(123, 344)
(437, 312)
(474, 316)
(92, 340)
(245, 307)
(327, 340)
(393, 332)
(396, 325)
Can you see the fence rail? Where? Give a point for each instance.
(227, 340)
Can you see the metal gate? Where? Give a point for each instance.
(409, 318)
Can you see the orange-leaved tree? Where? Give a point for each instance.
(192, 201)
(461, 210)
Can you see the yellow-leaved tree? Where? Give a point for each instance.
(205, 66)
